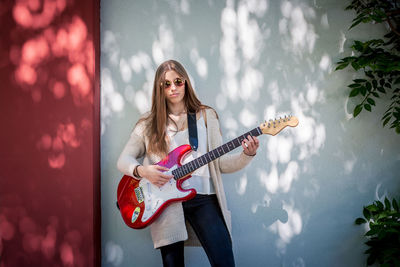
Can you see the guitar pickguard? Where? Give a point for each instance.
(155, 197)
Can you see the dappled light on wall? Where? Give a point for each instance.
(68, 47)
(244, 38)
(48, 240)
(46, 198)
(67, 137)
(37, 14)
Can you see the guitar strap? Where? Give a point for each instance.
(192, 126)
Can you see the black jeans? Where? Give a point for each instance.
(205, 216)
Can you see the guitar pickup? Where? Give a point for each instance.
(139, 194)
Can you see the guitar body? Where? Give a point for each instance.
(141, 202)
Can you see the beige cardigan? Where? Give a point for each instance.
(170, 227)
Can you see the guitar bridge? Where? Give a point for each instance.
(139, 194)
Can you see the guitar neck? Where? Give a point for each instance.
(193, 165)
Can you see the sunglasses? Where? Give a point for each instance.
(178, 83)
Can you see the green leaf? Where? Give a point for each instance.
(387, 204)
(388, 85)
(381, 89)
(342, 66)
(375, 94)
(355, 23)
(357, 110)
(354, 85)
(371, 232)
(369, 74)
(369, 86)
(386, 121)
(367, 107)
(395, 205)
(363, 90)
(387, 114)
(355, 65)
(359, 80)
(367, 213)
(371, 101)
(354, 92)
(374, 83)
(372, 207)
(358, 46)
(359, 221)
(379, 205)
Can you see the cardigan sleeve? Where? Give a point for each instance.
(134, 149)
(228, 163)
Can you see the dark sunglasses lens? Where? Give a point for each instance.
(167, 84)
(178, 82)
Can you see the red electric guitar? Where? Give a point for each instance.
(141, 202)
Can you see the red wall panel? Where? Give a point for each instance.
(49, 136)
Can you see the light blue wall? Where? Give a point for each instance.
(254, 60)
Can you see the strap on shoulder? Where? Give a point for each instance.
(192, 126)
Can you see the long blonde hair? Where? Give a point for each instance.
(157, 120)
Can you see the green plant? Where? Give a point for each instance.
(384, 234)
(377, 60)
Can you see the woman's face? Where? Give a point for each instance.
(174, 87)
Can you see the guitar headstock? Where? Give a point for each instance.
(273, 127)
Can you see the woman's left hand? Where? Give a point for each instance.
(250, 145)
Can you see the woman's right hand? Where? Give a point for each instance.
(154, 173)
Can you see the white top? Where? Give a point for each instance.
(200, 179)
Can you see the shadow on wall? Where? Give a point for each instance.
(46, 177)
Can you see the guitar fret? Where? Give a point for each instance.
(224, 149)
(230, 145)
(238, 142)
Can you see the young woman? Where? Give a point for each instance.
(204, 218)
